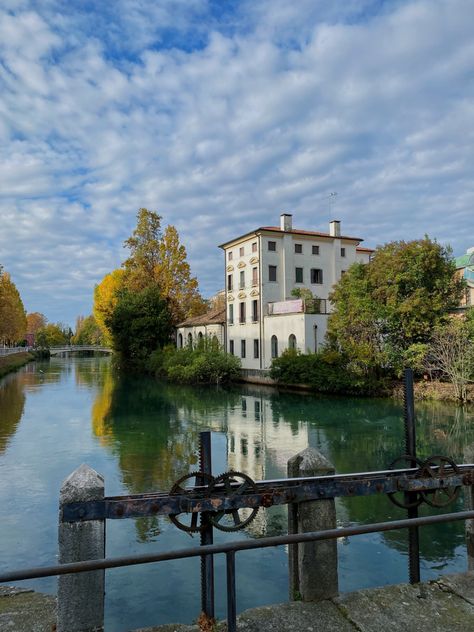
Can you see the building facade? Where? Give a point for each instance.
(209, 325)
(465, 269)
(263, 268)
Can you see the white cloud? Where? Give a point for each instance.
(222, 121)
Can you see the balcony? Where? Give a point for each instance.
(298, 306)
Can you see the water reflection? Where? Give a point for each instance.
(12, 404)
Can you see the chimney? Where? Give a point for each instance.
(286, 221)
(335, 228)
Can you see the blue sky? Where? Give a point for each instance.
(220, 116)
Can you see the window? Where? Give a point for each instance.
(292, 341)
(343, 252)
(255, 311)
(231, 347)
(242, 279)
(274, 344)
(315, 339)
(299, 249)
(272, 273)
(254, 246)
(254, 276)
(200, 336)
(229, 256)
(231, 314)
(190, 340)
(298, 275)
(180, 341)
(242, 348)
(315, 250)
(241, 251)
(229, 283)
(272, 245)
(342, 273)
(255, 348)
(241, 312)
(316, 275)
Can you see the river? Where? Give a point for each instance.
(142, 435)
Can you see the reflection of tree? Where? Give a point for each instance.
(12, 402)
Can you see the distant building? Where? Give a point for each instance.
(262, 269)
(210, 325)
(465, 269)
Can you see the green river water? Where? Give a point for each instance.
(142, 435)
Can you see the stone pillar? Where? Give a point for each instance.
(81, 595)
(312, 565)
(469, 504)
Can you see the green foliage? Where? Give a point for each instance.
(384, 307)
(88, 332)
(139, 324)
(206, 363)
(326, 372)
(12, 312)
(52, 335)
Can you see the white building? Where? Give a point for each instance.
(210, 325)
(262, 269)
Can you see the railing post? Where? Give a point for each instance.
(81, 595)
(312, 565)
(469, 505)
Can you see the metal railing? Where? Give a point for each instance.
(5, 351)
(230, 549)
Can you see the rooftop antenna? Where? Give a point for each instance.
(332, 201)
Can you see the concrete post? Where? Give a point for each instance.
(469, 504)
(81, 595)
(312, 565)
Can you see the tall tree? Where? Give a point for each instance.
(105, 300)
(393, 302)
(144, 246)
(52, 335)
(35, 321)
(12, 312)
(87, 332)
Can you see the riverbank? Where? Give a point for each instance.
(13, 362)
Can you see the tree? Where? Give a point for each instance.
(88, 332)
(105, 300)
(12, 312)
(35, 321)
(158, 258)
(140, 323)
(393, 302)
(451, 353)
(52, 335)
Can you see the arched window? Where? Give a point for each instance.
(190, 340)
(274, 343)
(180, 341)
(292, 341)
(200, 335)
(315, 339)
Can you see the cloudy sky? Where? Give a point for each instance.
(220, 115)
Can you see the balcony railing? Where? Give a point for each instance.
(298, 306)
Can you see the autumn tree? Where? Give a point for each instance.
(384, 307)
(158, 258)
(52, 335)
(35, 321)
(105, 300)
(12, 312)
(87, 332)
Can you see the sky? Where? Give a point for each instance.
(220, 115)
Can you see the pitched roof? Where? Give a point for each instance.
(293, 231)
(362, 249)
(213, 317)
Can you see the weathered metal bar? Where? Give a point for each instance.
(231, 597)
(296, 490)
(207, 561)
(240, 545)
(410, 496)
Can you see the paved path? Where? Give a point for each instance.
(444, 605)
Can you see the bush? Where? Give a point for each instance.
(204, 364)
(326, 372)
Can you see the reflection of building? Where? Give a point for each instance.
(209, 325)
(263, 269)
(465, 269)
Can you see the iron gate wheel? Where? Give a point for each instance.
(401, 499)
(179, 488)
(438, 466)
(231, 519)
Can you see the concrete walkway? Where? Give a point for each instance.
(444, 605)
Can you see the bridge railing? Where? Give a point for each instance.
(5, 351)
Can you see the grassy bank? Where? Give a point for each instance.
(15, 361)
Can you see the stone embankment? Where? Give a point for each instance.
(437, 606)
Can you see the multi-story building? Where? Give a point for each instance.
(262, 270)
(465, 269)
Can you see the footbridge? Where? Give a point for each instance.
(57, 350)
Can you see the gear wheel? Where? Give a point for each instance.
(437, 466)
(235, 484)
(401, 499)
(201, 479)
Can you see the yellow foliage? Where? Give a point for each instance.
(105, 299)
